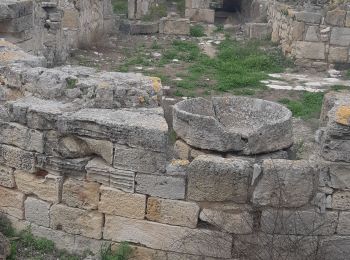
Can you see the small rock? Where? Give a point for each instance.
(156, 55)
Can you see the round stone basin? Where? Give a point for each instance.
(238, 124)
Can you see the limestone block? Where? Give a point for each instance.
(120, 203)
(143, 253)
(69, 167)
(285, 183)
(11, 202)
(62, 240)
(17, 25)
(344, 223)
(22, 137)
(338, 54)
(340, 36)
(139, 160)
(102, 148)
(98, 170)
(339, 175)
(182, 150)
(259, 30)
(134, 127)
(37, 113)
(46, 187)
(335, 248)
(312, 34)
(70, 19)
(76, 221)
(336, 17)
(80, 194)
(297, 30)
(299, 222)
(163, 186)
(168, 238)
(200, 15)
(17, 158)
(341, 200)
(7, 178)
(84, 244)
(212, 178)
(10, 10)
(37, 211)
(140, 27)
(179, 26)
(229, 218)
(308, 17)
(172, 212)
(310, 50)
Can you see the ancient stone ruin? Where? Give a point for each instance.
(85, 157)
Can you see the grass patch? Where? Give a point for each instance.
(197, 31)
(339, 87)
(123, 252)
(308, 106)
(120, 6)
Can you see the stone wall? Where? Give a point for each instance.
(52, 28)
(83, 162)
(313, 38)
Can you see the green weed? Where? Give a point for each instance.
(339, 87)
(120, 6)
(123, 252)
(197, 31)
(309, 106)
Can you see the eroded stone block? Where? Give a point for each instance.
(37, 211)
(7, 178)
(11, 202)
(17, 158)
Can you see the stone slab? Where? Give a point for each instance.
(37, 211)
(11, 202)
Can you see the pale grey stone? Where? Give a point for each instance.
(163, 186)
(168, 238)
(212, 178)
(139, 160)
(17, 158)
(7, 178)
(299, 222)
(340, 36)
(233, 124)
(138, 127)
(177, 26)
(310, 50)
(344, 223)
(308, 17)
(37, 211)
(341, 200)
(98, 170)
(335, 248)
(312, 34)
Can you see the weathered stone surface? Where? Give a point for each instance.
(335, 248)
(139, 27)
(310, 50)
(340, 36)
(163, 186)
(119, 203)
(200, 15)
(336, 17)
(98, 170)
(143, 253)
(69, 167)
(134, 127)
(46, 187)
(173, 212)
(212, 125)
(21, 136)
(341, 200)
(297, 30)
(100, 147)
(338, 54)
(308, 17)
(168, 238)
(259, 30)
(299, 222)
(37, 211)
(344, 223)
(17, 158)
(139, 160)
(11, 202)
(182, 150)
(285, 183)
(170, 25)
(7, 178)
(312, 34)
(228, 217)
(76, 221)
(5, 247)
(212, 178)
(37, 113)
(81, 194)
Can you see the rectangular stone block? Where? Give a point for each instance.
(200, 15)
(11, 202)
(344, 223)
(341, 200)
(10, 10)
(37, 211)
(47, 187)
(308, 17)
(177, 26)
(163, 186)
(16, 25)
(213, 178)
(139, 160)
(168, 238)
(285, 183)
(340, 36)
(7, 178)
(119, 203)
(133, 127)
(17, 158)
(299, 222)
(98, 170)
(76, 221)
(81, 194)
(22, 137)
(310, 50)
(173, 212)
(335, 248)
(338, 54)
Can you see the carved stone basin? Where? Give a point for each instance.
(239, 124)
